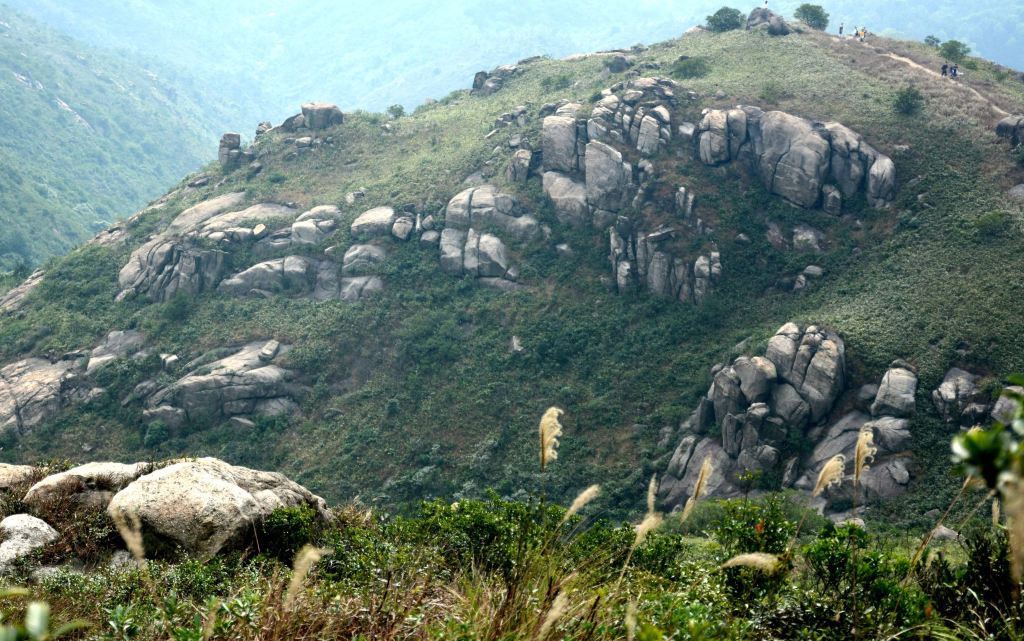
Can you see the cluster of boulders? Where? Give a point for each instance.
(805, 162)
(197, 507)
(756, 406)
(485, 83)
(962, 399)
(638, 260)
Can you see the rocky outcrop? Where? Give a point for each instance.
(640, 115)
(15, 298)
(1011, 128)
(204, 506)
(117, 344)
(609, 179)
(762, 18)
(298, 275)
(373, 223)
(321, 115)
(958, 399)
(896, 391)
(244, 383)
(11, 476)
(568, 196)
(229, 152)
(22, 534)
(796, 158)
(34, 389)
(639, 262)
(471, 243)
(759, 405)
(90, 485)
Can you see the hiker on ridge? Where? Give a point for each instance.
(840, 29)
(945, 69)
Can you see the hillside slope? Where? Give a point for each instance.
(284, 323)
(89, 137)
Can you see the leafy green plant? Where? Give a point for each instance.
(813, 15)
(908, 101)
(932, 41)
(286, 530)
(954, 50)
(687, 68)
(725, 19)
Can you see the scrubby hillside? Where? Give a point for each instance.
(382, 308)
(88, 138)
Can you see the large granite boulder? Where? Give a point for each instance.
(608, 178)
(568, 196)
(15, 298)
(896, 392)
(794, 158)
(956, 397)
(762, 18)
(485, 256)
(757, 377)
(559, 143)
(1012, 129)
(486, 208)
(13, 476)
(204, 506)
(91, 484)
(288, 275)
(451, 245)
(373, 223)
(362, 260)
(22, 535)
(321, 115)
(244, 383)
(117, 344)
(813, 361)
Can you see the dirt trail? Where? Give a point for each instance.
(874, 56)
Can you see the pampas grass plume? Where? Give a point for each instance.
(761, 561)
(650, 523)
(631, 620)
(584, 497)
(307, 557)
(865, 452)
(558, 608)
(706, 469)
(550, 429)
(130, 528)
(831, 473)
(652, 490)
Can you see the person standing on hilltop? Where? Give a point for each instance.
(945, 69)
(840, 29)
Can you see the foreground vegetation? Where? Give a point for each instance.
(751, 568)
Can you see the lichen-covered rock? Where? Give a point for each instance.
(485, 256)
(486, 208)
(519, 166)
(117, 344)
(608, 177)
(362, 260)
(955, 394)
(452, 243)
(559, 144)
(12, 476)
(757, 377)
(204, 506)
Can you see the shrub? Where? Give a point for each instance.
(686, 68)
(396, 111)
(725, 19)
(556, 83)
(908, 101)
(814, 15)
(932, 41)
(954, 50)
(993, 224)
(754, 526)
(286, 530)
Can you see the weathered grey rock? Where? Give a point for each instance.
(896, 393)
(559, 144)
(675, 489)
(11, 476)
(321, 115)
(1016, 193)
(291, 274)
(402, 228)
(762, 18)
(943, 533)
(892, 435)
(519, 166)
(431, 237)
(373, 223)
(15, 298)
(1005, 409)
(240, 384)
(91, 484)
(228, 153)
(33, 390)
(885, 479)
(957, 390)
(452, 243)
(484, 255)
(783, 346)
(807, 238)
(787, 404)
(726, 394)
(568, 196)
(794, 159)
(116, 345)
(608, 178)
(759, 458)
(757, 376)
(485, 208)
(1012, 129)
(22, 534)
(362, 260)
(359, 287)
(206, 505)
(832, 199)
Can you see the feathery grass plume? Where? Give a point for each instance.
(631, 620)
(584, 497)
(130, 528)
(558, 608)
(306, 558)
(995, 511)
(550, 430)
(652, 490)
(865, 452)
(761, 561)
(831, 474)
(650, 523)
(706, 468)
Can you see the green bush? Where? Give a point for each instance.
(908, 101)
(725, 19)
(993, 225)
(754, 526)
(814, 15)
(286, 530)
(687, 68)
(954, 50)
(932, 41)
(396, 111)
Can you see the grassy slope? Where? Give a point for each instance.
(62, 179)
(415, 394)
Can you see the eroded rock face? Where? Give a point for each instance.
(1012, 129)
(373, 223)
(569, 197)
(33, 390)
(15, 298)
(116, 345)
(321, 115)
(486, 208)
(245, 383)
(957, 398)
(609, 179)
(91, 484)
(896, 392)
(796, 158)
(762, 18)
(206, 505)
